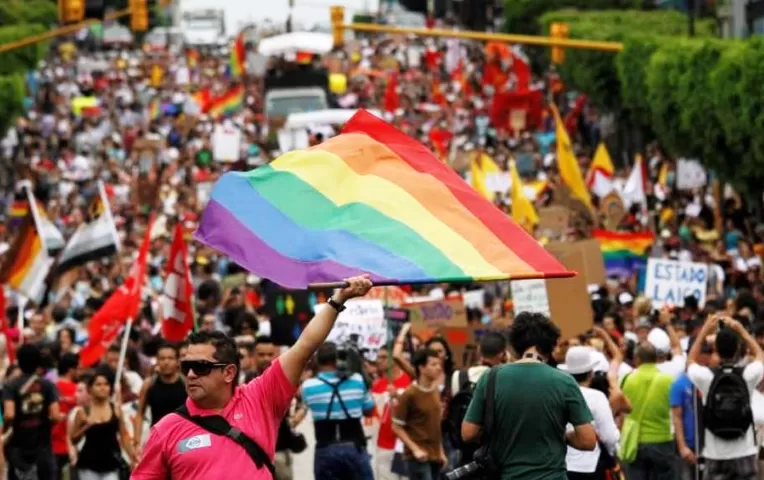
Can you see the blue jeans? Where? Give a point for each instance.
(423, 470)
(655, 461)
(342, 461)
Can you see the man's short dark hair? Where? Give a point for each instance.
(646, 353)
(533, 330)
(727, 344)
(326, 355)
(420, 358)
(67, 363)
(226, 350)
(29, 358)
(263, 340)
(169, 346)
(492, 344)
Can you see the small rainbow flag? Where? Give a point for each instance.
(236, 63)
(624, 252)
(192, 58)
(230, 102)
(155, 109)
(371, 200)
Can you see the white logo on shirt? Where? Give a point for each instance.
(194, 443)
(237, 416)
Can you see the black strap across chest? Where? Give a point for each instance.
(218, 425)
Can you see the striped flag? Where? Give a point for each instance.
(26, 264)
(96, 238)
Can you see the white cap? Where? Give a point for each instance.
(660, 340)
(578, 360)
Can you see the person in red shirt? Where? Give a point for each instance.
(67, 399)
(384, 393)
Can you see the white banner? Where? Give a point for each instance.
(364, 318)
(690, 174)
(668, 282)
(530, 296)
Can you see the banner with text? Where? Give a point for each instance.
(362, 321)
(668, 282)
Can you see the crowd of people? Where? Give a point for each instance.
(647, 393)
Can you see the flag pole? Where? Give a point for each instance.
(121, 363)
(20, 317)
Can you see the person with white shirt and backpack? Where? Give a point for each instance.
(729, 445)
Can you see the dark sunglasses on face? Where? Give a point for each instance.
(201, 368)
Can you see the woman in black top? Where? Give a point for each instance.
(100, 423)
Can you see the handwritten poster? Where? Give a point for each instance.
(364, 321)
(668, 282)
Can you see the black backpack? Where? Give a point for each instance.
(727, 412)
(457, 408)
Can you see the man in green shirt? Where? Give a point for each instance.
(648, 390)
(534, 404)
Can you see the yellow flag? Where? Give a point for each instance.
(482, 167)
(601, 162)
(522, 209)
(567, 163)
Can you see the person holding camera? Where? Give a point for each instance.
(338, 399)
(533, 404)
(729, 446)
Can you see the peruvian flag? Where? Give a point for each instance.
(122, 304)
(176, 302)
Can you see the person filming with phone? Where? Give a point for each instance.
(729, 447)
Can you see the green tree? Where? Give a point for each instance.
(25, 19)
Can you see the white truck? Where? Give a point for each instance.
(203, 28)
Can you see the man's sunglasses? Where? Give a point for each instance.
(201, 368)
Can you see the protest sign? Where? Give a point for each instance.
(438, 313)
(690, 174)
(530, 296)
(226, 143)
(613, 210)
(668, 282)
(363, 321)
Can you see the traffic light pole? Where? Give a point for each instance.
(6, 47)
(339, 26)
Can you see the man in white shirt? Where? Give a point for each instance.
(580, 362)
(666, 341)
(727, 458)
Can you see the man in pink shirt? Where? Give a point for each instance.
(178, 448)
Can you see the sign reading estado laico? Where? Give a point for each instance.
(668, 282)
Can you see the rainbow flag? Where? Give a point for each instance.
(229, 103)
(371, 200)
(27, 263)
(155, 109)
(192, 58)
(236, 64)
(17, 211)
(624, 252)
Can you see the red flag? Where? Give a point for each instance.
(177, 310)
(5, 326)
(571, 119)
(391, 99)
(122, 304)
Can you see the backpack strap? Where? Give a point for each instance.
(489, 407)
(218, 425)
(335, 394)
(464, 379)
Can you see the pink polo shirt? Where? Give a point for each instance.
(181, 450)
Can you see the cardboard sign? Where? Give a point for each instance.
(613, 210)
(147, 182)
(564, 300)
(569, 304)
(553, 221)
(438, 313)
(668, 282)
(594, 265)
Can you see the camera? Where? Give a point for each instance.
(481, 466)
(350, 359)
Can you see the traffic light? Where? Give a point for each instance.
(139, 15)
(558, 30)
(337, 15)
(71, 11)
